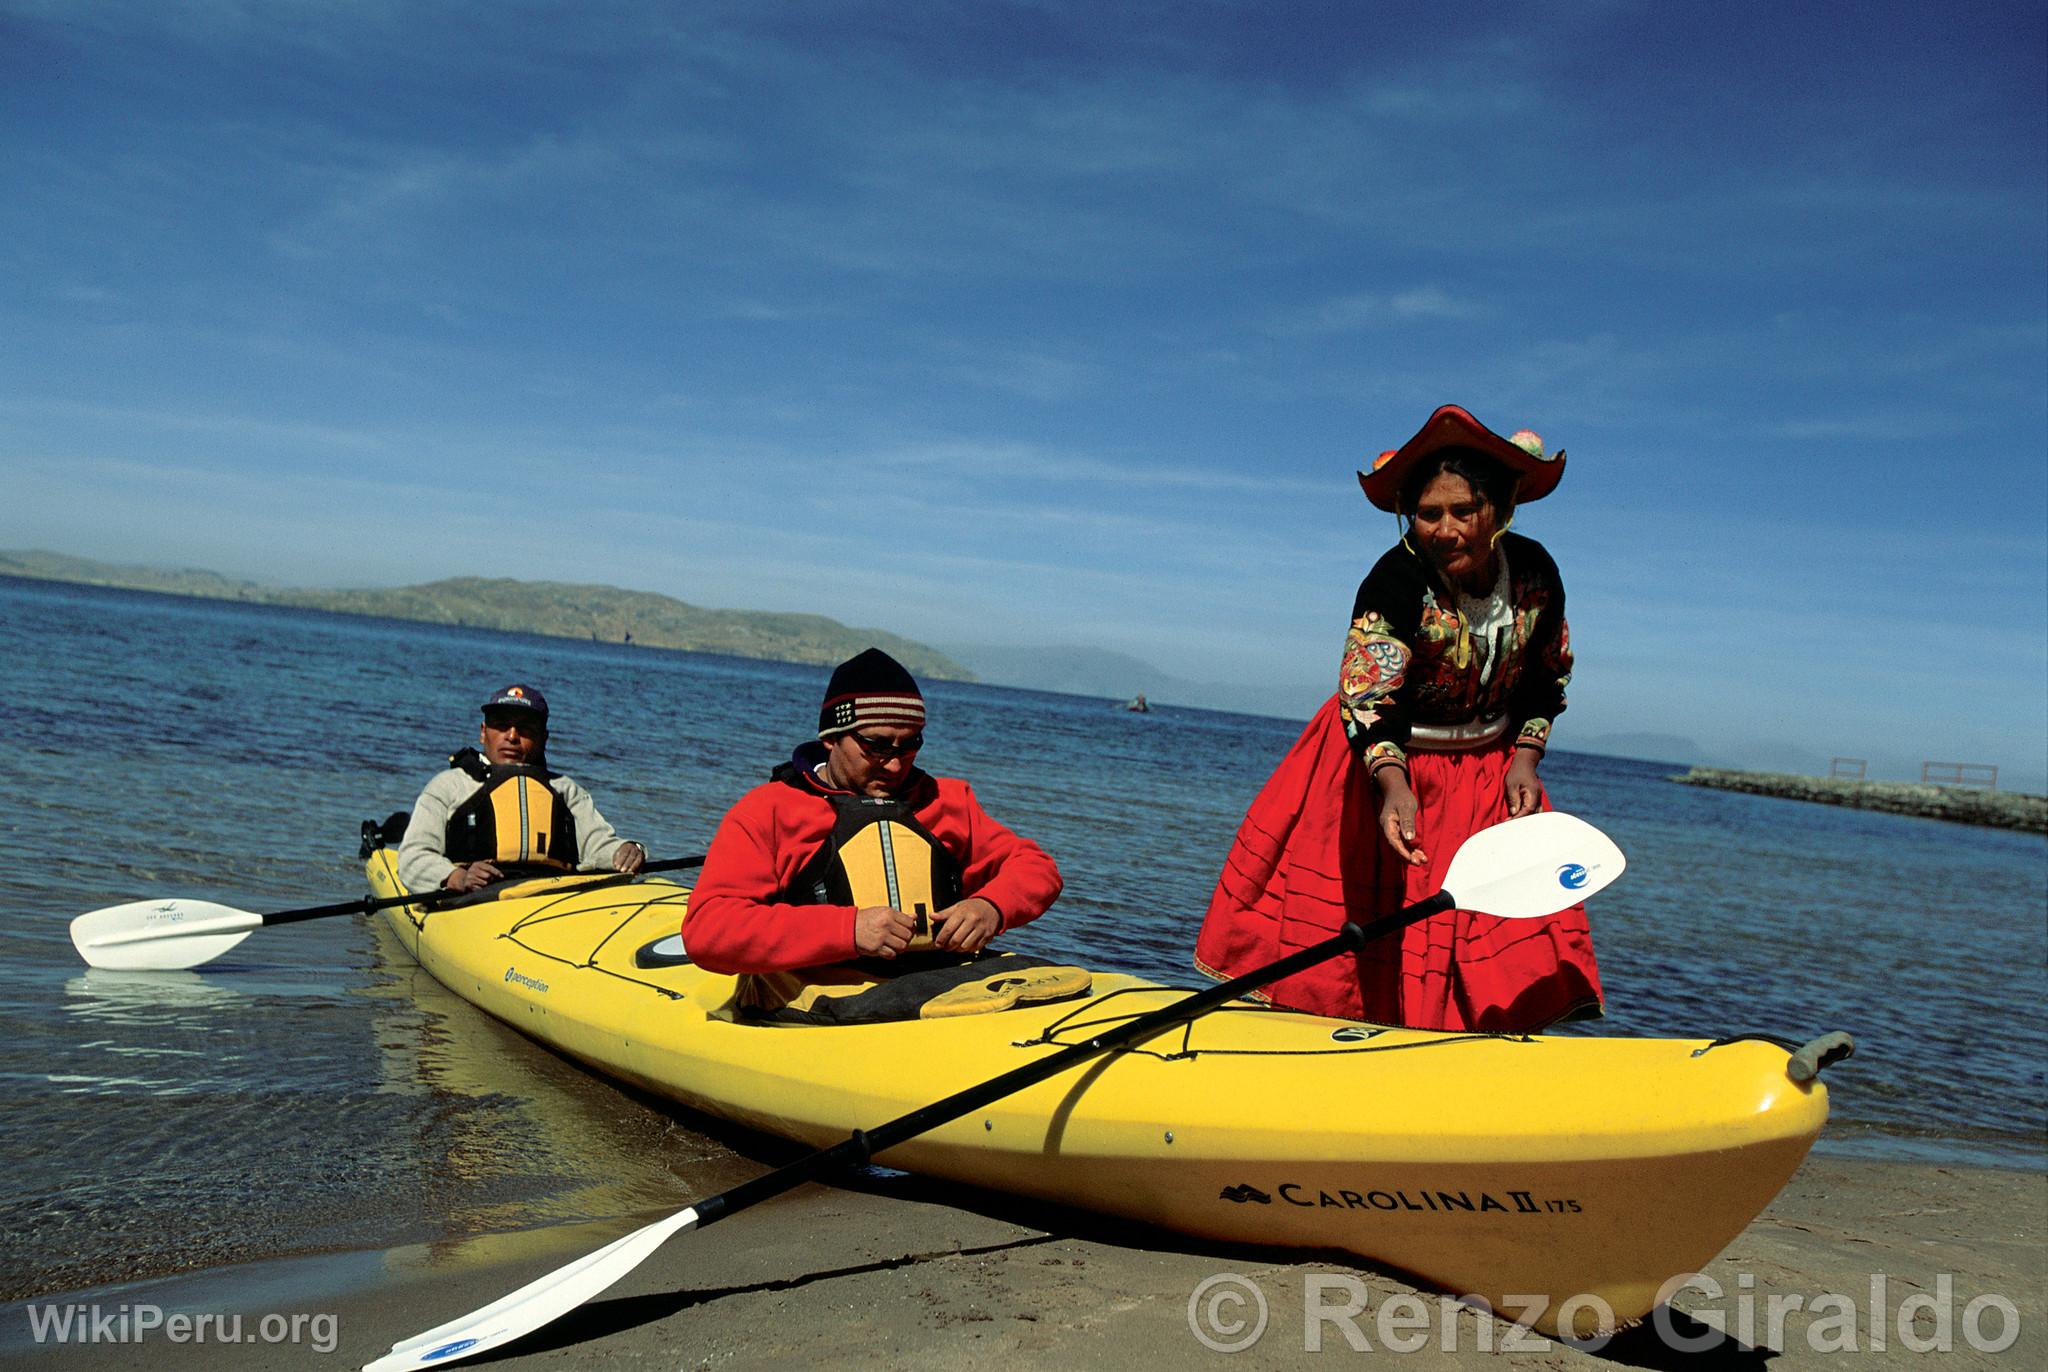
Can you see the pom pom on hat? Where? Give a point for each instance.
(870, 688)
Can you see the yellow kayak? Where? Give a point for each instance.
(1584, 1172)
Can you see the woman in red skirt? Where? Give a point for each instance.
(1453, 671)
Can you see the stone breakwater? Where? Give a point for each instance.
(1960, 804)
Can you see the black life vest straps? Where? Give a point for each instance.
(878, 854)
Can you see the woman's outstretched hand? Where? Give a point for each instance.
(1398, 808)
(1524, 791)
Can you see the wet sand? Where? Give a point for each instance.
(1890, 1264)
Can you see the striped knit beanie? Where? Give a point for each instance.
(870, 688)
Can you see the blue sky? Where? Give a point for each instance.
(1053, 323)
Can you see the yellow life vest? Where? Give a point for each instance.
(878, 854)
(515, 818)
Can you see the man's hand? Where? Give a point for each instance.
(882, 931)
(1524, 791)
(472, 877)
(630, 857)
(966, 927)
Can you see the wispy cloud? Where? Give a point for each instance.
(1364, 310)
(1886, 428)
(239, 427)
(1035, 376)
(976, 462)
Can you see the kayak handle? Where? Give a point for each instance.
(1806, 1062)
(1828, 1049)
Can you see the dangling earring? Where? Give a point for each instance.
(1406, 529)
(1513, 493)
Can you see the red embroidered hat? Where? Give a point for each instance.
(1454, 427)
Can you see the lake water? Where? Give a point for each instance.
(313, 1092)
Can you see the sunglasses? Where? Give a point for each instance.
(881, 750)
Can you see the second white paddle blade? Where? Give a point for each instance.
(160, 935)
(534, 1304)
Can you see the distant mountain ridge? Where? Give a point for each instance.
(1119, 676)
(1643, 747)
(45, 566)
(557, 609)
(1069, 671)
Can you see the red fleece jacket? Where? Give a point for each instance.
(765, 840)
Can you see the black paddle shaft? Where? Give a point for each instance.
(864, 1144)
(366, 905)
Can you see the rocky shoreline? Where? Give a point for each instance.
(1957, 804)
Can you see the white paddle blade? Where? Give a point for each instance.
(160, 935)
(539, 1302)
(1533, 866)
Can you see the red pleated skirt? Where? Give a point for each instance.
(1309, 857)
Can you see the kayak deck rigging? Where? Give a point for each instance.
(1062, 1033)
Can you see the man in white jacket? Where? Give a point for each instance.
(499, 811)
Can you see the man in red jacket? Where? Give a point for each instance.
(849, 851)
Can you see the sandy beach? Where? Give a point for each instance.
(1881, 1264)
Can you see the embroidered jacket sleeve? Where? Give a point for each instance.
(1542, 667)
(1372, 696)
(735, 924)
